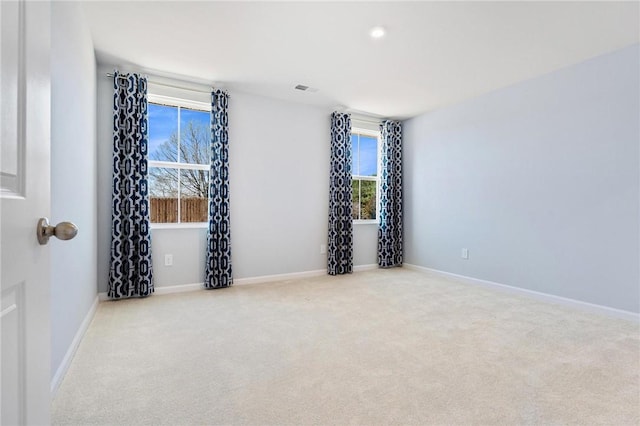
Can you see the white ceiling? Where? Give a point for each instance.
(434, 54)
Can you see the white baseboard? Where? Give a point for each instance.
(584, 306)
(178, 288)
(294, 275)
(165, 290)
(360, 268)
(279, 277)
(250, 280)
(68, 357)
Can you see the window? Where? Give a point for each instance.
(179, 147)
(364, 183)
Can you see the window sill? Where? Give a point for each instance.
(365, 222)
(197, 225)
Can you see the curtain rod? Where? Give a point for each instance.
(167, 85)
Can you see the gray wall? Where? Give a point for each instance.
(279, 180)
(540, 181)
(73, 178)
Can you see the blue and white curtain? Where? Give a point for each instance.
(340, 244)
(390, 227)
(218, 262)
(130, 273)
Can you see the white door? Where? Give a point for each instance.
(24, 197)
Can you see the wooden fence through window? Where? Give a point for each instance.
(165, 210)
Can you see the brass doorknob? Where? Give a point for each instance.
(62, 231)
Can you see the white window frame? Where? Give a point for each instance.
(375, 134)
(182, 103)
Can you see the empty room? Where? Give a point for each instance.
(327, 213)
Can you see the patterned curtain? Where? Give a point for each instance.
(340, 246)
(390, 227)
(130, 273)
(218, 261)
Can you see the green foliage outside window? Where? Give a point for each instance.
(364, 199)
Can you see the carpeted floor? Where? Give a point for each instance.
(377, 347)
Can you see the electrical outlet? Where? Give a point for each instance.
(168, 260)
(323, 249)
(465, 253)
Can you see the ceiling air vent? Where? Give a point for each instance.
(303, 88)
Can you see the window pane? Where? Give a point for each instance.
(163, 132)
(355, 197)
(367, 199)
(163, 195)
(365, 164)
(195, 136)
(194, 195)
(368, 156)
(355, 157)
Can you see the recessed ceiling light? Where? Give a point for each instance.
(377, 32)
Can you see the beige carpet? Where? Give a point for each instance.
(378, 347)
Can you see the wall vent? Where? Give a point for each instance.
(302, 87)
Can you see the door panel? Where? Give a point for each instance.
(13, 373)
(24, 198)
(12, 62)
